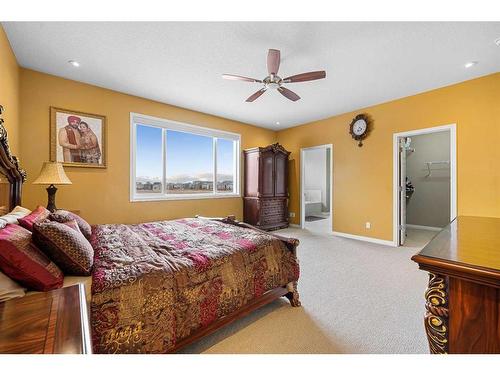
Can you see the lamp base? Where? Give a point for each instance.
(51, 205)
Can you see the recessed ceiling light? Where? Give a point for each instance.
(76, 64)
(497, 42)
(470, 64)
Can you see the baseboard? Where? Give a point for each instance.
(436, 229)
(363, 238)
(294, 225)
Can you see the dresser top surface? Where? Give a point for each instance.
(470, 242)
(45, 322)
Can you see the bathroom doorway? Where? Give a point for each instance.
(316, 189)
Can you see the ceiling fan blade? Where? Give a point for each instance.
(254, 96)
(240, 78)
(309, 76)
(273, 61)
(288, 94)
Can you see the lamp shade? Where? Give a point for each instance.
(52, 173)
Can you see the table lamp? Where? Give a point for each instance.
(52, 173)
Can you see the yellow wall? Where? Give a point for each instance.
(362, 186)
(9, 91)
(102, 195)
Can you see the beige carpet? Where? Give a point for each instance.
(357, 297)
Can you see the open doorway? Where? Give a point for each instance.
(424, 184)
(316, 188)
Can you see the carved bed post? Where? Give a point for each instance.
(436, 315)
(293, 294)
(9, 167)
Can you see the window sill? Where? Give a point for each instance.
(182, 197)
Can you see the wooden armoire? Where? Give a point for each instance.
(265, 201)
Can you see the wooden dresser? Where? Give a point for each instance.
(265, 202)
(462, 301)
(54, 322)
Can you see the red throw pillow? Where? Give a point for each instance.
(22, 260)
(38, 214)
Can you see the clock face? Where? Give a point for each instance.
(359, 127)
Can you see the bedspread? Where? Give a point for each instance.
(156, 283)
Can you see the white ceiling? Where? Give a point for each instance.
(181, 63)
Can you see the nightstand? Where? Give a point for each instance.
(54, 322)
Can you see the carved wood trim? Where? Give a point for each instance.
(293, 294)
(275, 147)
(9, 166)
(436, 315)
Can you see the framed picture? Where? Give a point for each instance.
(77, 139)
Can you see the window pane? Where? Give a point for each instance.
(225, 166)
(148, 160)
(189, 167)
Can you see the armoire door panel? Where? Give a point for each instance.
(267, 174)
(280, 175)
(251, 175)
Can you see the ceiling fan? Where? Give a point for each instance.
(273, 81)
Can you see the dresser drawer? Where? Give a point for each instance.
(273, 211)
(273, 206)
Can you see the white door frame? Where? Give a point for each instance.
(453, 171)
(302, 181)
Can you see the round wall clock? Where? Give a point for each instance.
(359, 128)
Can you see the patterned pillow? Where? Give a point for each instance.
(22, 260)
(38, 214)
(73, 225)
(68, 248)
(63, 216)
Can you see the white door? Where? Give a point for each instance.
(402, 191)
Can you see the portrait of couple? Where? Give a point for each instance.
(77, 138)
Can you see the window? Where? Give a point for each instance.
(170, 160)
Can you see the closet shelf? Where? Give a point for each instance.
(431, 163)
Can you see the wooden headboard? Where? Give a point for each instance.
(12, 176)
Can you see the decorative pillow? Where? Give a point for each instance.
(68, 248)
(38, 214)
(11, 218)
(73, 225)
(63, 216)
(22, 260)
(9, 288)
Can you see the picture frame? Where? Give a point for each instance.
(83, 133)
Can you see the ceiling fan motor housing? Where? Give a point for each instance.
(272, 81)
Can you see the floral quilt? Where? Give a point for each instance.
(154, 284)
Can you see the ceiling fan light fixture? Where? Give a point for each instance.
(272, 85)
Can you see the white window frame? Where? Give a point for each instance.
(164, 124)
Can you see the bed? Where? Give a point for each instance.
(156, 287)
